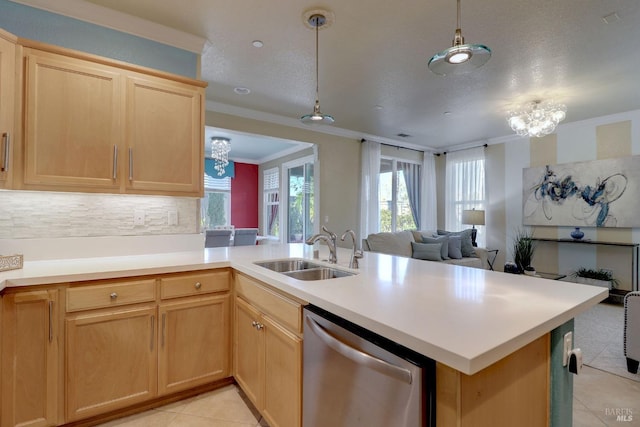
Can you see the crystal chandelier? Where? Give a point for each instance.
(537, 118)
(220, 148)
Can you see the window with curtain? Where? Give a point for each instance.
(216, 204)
(399, 195)
(271, 202)
(464, 188)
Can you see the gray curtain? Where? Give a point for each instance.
(411, 173)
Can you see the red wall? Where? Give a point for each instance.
(244, 196)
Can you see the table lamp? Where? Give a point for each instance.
(473, 217)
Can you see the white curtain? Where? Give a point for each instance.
(464, 187)
(369, 209)
(429, 204)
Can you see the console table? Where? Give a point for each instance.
(632, 246)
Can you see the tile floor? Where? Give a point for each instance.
(598, 397)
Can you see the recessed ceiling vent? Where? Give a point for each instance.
(404, 135)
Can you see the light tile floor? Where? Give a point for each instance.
(598, 397)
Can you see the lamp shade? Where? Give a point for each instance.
(473, 217)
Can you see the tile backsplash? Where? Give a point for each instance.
(38, 214)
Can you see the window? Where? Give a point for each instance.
(465, 187)
(299, 211)
(271, 202)
(216, 204)
(399, 195)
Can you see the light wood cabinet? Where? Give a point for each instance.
(164, 136)
(98, 125)
(268, 351)
(7, 105)
(111, 360)
(30, 356)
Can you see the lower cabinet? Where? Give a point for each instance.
(111, 360)
(268, 352)
(30, 358)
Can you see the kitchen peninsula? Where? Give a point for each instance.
(483, 328)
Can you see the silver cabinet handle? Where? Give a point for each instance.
(7, 144)
(259, 326)
(164, 320)
(115, 161)
(153, 324)
(198, 285)
(254, 323)
(50, 321)
(358, 356)
(113, 295)
(130, 164)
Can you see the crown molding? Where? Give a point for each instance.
(109, 18)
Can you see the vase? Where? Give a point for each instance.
(577, 233)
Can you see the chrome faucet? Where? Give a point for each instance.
(330, 238)
(355, 254)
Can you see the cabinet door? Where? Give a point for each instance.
(73, 116)
(249, 352)
(111, 360)
(30, 359)
(194, 343)
(164, 136)
(7, 106)
(283, 375)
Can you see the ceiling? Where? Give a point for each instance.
(373, 61)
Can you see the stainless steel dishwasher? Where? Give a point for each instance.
(355, 378)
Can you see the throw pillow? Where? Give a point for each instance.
(428, 251)
(455, 243)
(466, 246)
(444, 240)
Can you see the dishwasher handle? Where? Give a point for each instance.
(358, 356)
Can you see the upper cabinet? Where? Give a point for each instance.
(7, 105)
(97, 125)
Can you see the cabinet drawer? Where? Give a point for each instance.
(286, 311)
(183, 285)
(110, 294)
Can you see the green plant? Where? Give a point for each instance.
(523, 249)
(599, 274)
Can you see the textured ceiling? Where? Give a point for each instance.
(376, 54)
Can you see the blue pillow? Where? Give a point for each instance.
(466, 245)
(444, 251)
(455, 243)
(427, 251)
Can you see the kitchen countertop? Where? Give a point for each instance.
(463, 317)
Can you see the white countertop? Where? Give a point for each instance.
(463, 317)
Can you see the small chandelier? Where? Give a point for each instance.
(317, 20)
(459, 58)
(220, 147)
(537, 118)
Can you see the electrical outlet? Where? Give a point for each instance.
(172, 217)
(138, 218)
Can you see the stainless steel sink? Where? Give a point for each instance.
(284, 265)
(303, 270)
(321, 273)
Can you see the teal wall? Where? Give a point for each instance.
(561, 380)
(47, 27)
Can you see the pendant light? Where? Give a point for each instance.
(317, 20)
(459, 58)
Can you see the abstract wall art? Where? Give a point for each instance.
(599, 193)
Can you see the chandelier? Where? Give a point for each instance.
(220, 148)
(537, 118)
(317, 20)
(460, 58)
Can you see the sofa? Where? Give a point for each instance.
(632, 330)
(429, 245)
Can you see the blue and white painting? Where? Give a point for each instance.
(599, 193)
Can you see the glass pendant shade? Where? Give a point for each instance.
(317, 117)
(460, 58)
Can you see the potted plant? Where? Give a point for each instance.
(523, 249)
(599, 277)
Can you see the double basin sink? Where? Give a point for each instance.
(302, 269)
